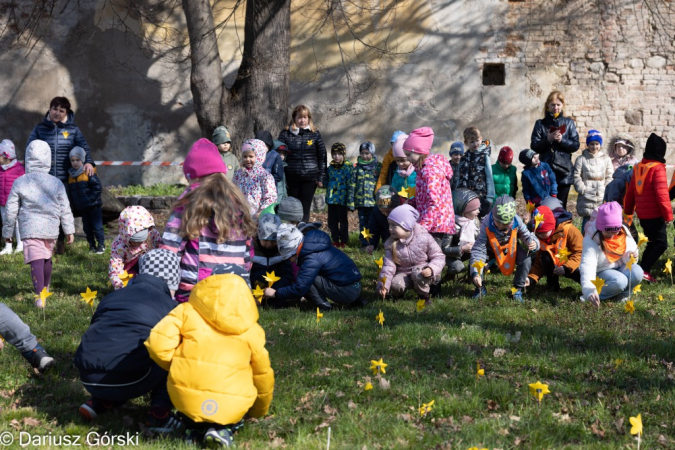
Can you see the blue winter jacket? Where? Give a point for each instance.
(274, 165)
(616, 189)
(318, 257)
(112, 350)
(84, 192)
(538, 182)
(61, 137)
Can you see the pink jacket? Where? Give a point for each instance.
(419, 250)
(7, 177)
(433, 198)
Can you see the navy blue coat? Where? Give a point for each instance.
(274, 165)
(306, 160)
(378, 227)
(318, 257)
(61, 137)
(112, 350)
(615, 191)
(84, 192)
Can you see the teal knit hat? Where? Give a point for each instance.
(221, 136)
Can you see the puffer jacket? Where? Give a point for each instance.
(385, 174)
(539, 182)
(591, 174)
(654, 202)
(339, 188)
(8, 174)
(61, 138)
(132, 220)
(84, 192)
(364, 179)
(569, 144)
(594, 260)
(505, 181)
(256, 183)
(307, 158)
(433, 196)
(318, 257)
(214, 350)
(418, 250)
(573, 244)
(112, 350)
(38, 199)
(615, 191)
(629, 159)
(476, 173)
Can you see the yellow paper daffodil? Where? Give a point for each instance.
(42, 297)
(380, 318)
(421, 304)
(382, 279)
(478, 265)
(403, 192)
(637, 289)
(271, 278)
(479, 372)
(636, 424)
(642, 239)
(89, 296)
(319, 315)
(258, 292)
(563, 255)
(629, 307)
(529, 207)
(476, 448)
(412, 191)
(368, 386)
(630, 262)
(617, 363)
(378, 366)
(125, 277)
(514, 290)
(598, 283)
(379, 262)
(366, 234)
(660, 298)
(538, 390)
(539, 218)
(669, 267)
(426, 408)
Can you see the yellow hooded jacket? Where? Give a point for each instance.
(214, 351)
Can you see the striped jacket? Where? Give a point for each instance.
(199, 256)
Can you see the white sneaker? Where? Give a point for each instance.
(7, 250)
(19, 249)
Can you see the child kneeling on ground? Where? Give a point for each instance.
(214, 350)
(412, 258)
(267, 257)
(458, 247)
(498, 238)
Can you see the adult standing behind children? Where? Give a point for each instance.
(59, 131)
(555, 138)
(306, 158)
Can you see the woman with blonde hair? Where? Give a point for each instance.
(555, 138)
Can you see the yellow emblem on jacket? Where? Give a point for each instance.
(65, 134)
(310, 142)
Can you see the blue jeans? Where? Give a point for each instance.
(92, 222)
(364, 218)
(583, 224)
(616, 281)
(15, 331)
(154, 382)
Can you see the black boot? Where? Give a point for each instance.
(435, 290)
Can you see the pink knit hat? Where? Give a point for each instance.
(397, 147)
(609, 217)
(405, 215)
(203, 159)
(420, 141)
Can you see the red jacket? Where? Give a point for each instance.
(654, 201)
(7, 178)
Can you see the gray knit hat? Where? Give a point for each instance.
(233, 269)
(367, 145)
(504, 209)
(290, 209)
(289, 239)
(220, 136)
(163, 264)
(79, 153)
(268, 225)
(140, 236)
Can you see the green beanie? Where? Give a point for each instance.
(220, 136)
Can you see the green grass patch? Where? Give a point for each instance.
(321, 369)
(155, 190)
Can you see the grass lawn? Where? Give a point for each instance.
(321, 369)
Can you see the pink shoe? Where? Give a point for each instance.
(648, 277)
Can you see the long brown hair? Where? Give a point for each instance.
(554, 95)
(302, 110)
(219, 201)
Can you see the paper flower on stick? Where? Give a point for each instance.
(42, 297)
(379, 262)
(412, 191)
(514, 290)
(403, 192)
(479, 372)
(89, 296)
(637, 289)
(529, 207)
(378, 366)
(660, 298)
(539, 218)
(421, 304)
(271, 278)
(476, 448)
(642, 239)
(125, 277)
(563, 255)
(366, 234)
(380, 318)
(617, 363)
(319, 315)
(629, 307)
(258, 293)
(669, 267)
(368, 386)
(478, 265)
(426, 408)
(636, 424)
(538, 390)
(630, 262)
(382, 279)
(598, 283)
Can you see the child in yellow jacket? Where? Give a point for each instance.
(214, 350)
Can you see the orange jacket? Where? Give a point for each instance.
(574, 246)
(386, 162)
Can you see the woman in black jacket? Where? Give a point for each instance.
(306, 160)
(555, 138)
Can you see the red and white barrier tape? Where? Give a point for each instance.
(137, 163)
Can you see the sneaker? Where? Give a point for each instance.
(93, 407)
(7, 250)
(39, 359)
(19, 249)
(162, 425)
(648, 277)
(92, 249)
(192, 437)
(478, 292)
(218, 438)
(518, 296)
(359, 303)
(100, 249)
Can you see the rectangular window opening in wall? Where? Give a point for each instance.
(494, 75)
